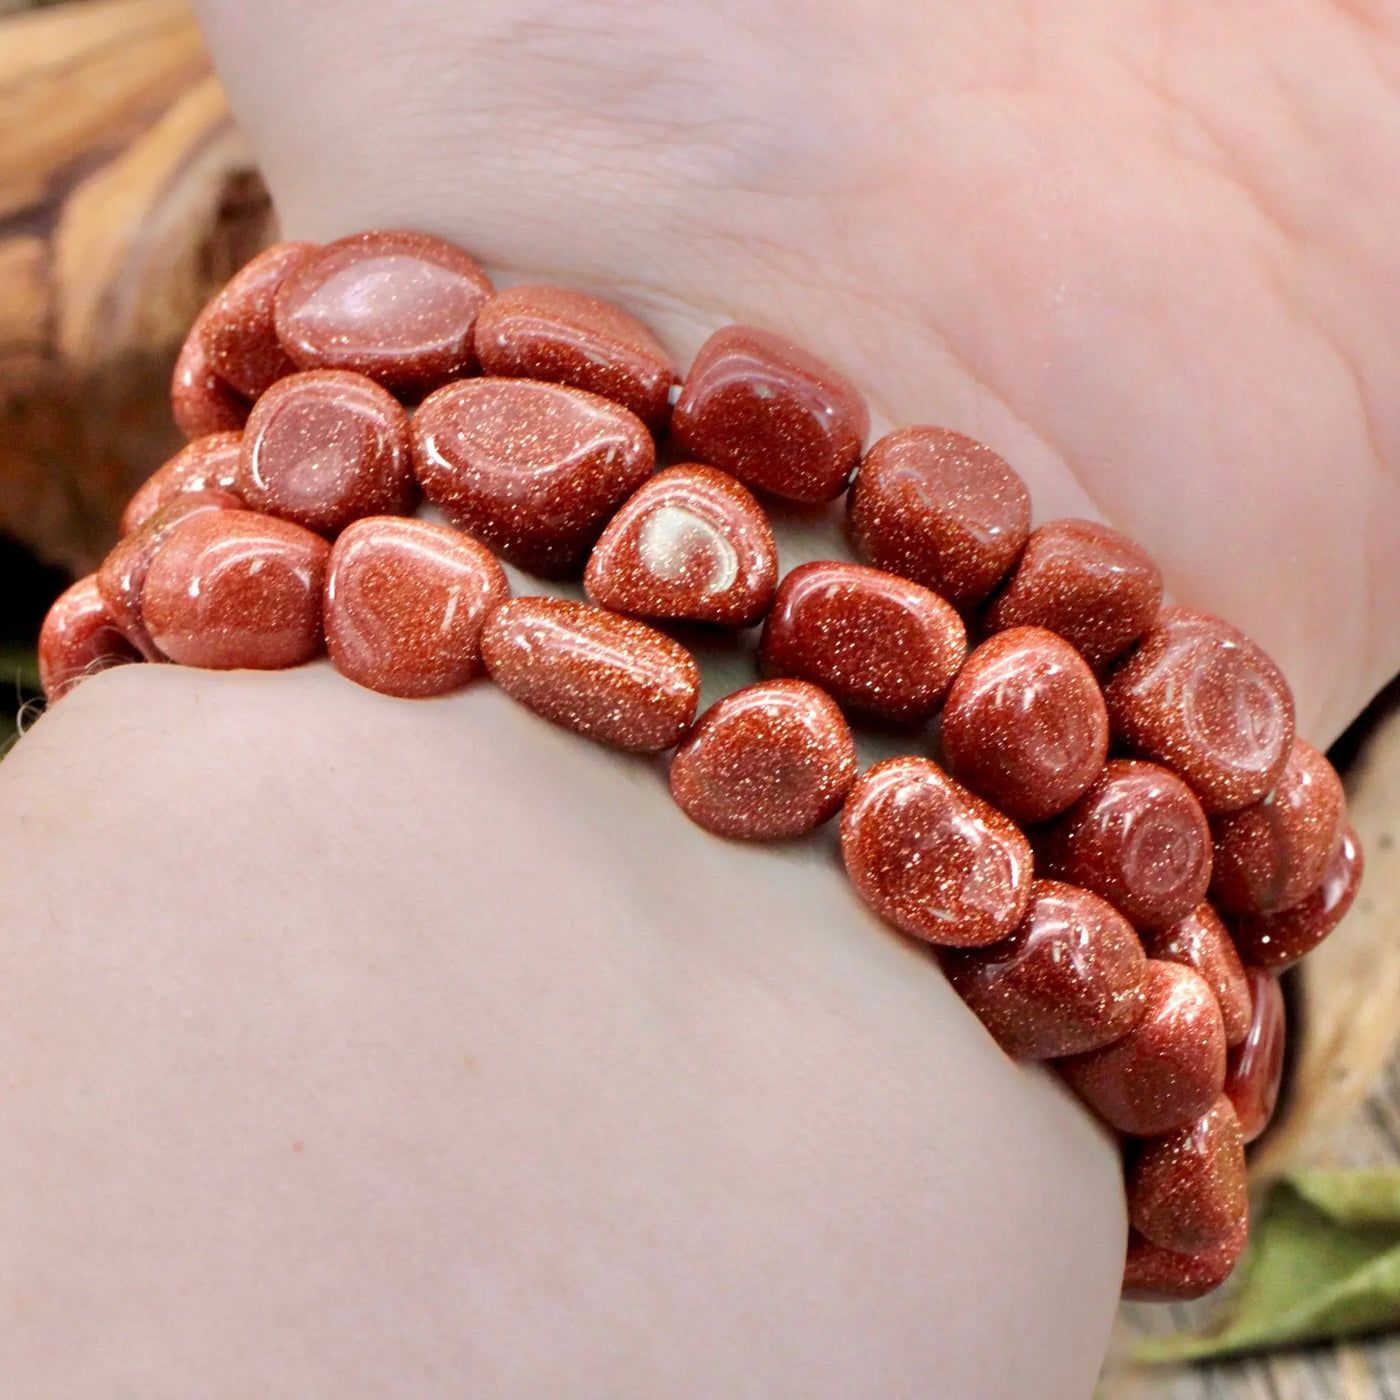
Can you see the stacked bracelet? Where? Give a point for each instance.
(1122, 841)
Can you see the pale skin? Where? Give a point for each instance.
(356, 1047)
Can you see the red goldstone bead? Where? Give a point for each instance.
(565, 337)
(206, 464)
(933, 859)
(399, 307)
(1272, 854)
(78, 639)
(1094, 586)
(690, 544)
(1202, 941)
(770, 761)
(884, 648)
(230, 589)
(405, 604)
(200, 402)
(533, 470)
(326, 447)
(770, 414)
(1139, 839)
(1024, 724)
(1169, 1068)
(937, 507)
(1254, 1071)
(1200, 697)
(1156, 1275)
(602, 675)
(1067, 981)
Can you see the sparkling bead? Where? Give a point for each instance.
(206, 464)
(1254, 1071)
(1202, 941)
(1068, 980)
(602, 675)
(78, 639)
(1024, 724)
(885, 649)
(931, 858)
(771, 414)
(200, 402)
(1168, 1069)
(690, 544)
(533, 470)
(1156, 1275)
(405, 605)
(1198, 696)
(231, 589)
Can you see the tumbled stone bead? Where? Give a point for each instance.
(937, 507)
(770, 761)
(1202, 941)
(932, 858)
(1094, 586)
(1024, 724)
(206, 464)
(1068, 980)
(1279, 940)
(405, 604)
(533, 470)
(1139, 839)
(200, 402)
(324, 448)
(1198, 696)
(1187, 1190)
(1169, 1068)
(1156, 1275)
(397, 306)
(565, 337)
(1254, 1071)
(1270, 855)
(769, 413)
(231, 589)
(78, 639)
(237, 330)
(884, 648)
(690, 544)
(604, 676)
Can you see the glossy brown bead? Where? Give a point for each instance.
(1272, 854)
(405, 605)
(1094, 586)
(1068, 980)
(78, 639)
(200, 402)
(1156, 1275)
(1198, 696)
(769, 413)
(934, 506)
(1202, 941)
(932, 858)
(770, 761)
(206, 464)
(1169, 1068)
(884, 648)
(604, 676)
(397, 306)
(327, 447)
(533, 470)
(1025, 725)
(230, 590)
(1254, 1072)
(565, 337)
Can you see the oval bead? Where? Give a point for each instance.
(405, 605)
(1025, 725)
(200, 402)
(206, 464)
(1198, 696)
(324, 448)
(770, 761)
(1096, 587)
(1068, 980)
(933, 859)
(884, 648)
(1202, 941)
(604, 676)
(934, 506)
(769, 413)
(1254, 1072)
(78, 639)
(1168, 1069)
(231, 589)
(397, 306)
(533, 470)
(564, 337)
(1156, 1275)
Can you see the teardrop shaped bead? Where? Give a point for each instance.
(1201, 940)
(207, 464)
